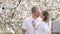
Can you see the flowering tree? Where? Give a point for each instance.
(13, 12)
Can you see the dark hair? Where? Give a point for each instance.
(45, 13)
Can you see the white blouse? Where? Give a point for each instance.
(44, 28)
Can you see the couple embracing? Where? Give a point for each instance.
(36, 23)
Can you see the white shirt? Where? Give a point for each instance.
(27, 25)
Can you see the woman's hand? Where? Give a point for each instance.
(33, 24)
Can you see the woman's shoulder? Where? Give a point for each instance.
(45, 23)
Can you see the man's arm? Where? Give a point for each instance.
(24, 26)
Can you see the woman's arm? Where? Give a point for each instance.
(49, 32)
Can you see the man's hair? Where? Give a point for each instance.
(34, 9)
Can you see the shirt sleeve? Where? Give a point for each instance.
(24, 25)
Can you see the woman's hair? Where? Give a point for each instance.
(45, 13)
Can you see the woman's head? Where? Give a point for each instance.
(44, 15)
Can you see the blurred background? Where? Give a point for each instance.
(13, 12)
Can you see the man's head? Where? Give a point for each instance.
(35, 11)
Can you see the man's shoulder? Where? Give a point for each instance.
(27, 19)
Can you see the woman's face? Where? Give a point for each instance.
(42, 16)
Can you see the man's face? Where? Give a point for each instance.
(36, 13)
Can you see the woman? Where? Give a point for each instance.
(45, 28)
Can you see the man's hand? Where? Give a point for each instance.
(23, 31)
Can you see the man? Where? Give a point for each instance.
(30, 25)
